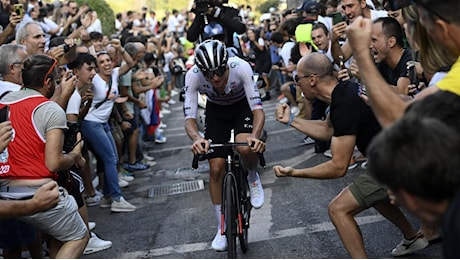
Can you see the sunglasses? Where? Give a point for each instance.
(219, 72)
(297, 77)
(50, 70)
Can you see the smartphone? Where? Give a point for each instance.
(341, 63)
(412, 74)
(19, 9)
(4, 114)
(337, 17)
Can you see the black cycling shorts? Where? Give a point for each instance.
(221, 119)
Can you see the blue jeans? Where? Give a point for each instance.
(100, 138)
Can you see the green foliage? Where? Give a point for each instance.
(104, 13)
(265, 5)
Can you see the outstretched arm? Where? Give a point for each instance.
(342, 150)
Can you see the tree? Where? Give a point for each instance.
(104, 13)
(265, 6)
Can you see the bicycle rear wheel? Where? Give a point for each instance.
(230, 215)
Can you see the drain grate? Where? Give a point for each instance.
(175, 188)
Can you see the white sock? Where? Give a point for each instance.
(218, 214)
(252, 176)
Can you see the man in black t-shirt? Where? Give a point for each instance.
(391, 58)
(350, 122)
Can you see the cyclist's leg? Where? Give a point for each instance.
(218, 130)
(216, 174)
(243, 129)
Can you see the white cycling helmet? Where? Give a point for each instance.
(211, 56)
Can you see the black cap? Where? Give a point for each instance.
(309, 6)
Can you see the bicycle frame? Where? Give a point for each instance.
(237, 208)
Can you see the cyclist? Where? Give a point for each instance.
(233, 103)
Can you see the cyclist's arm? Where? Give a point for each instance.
(191, 105)
(258, 122)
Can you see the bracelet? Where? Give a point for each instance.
(290, 120)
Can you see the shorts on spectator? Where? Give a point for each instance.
(367, 191)
(62, 222)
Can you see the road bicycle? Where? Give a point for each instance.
(236, 201)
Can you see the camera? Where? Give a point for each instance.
(202, 5)
(66, 48)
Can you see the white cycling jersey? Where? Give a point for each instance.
(240, 84)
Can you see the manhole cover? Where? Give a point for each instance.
(175, 188)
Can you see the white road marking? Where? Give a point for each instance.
(258, 236)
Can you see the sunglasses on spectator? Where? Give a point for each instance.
(297, 78)
(219, 72)
(50, 70)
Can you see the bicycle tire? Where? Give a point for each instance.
(245, 205)
(230, 215)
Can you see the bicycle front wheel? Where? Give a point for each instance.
(245, 206)
(230, 215)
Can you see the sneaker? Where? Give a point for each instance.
(149, 163)
(308, 140)
(257, 193)
(148, 157)
(160, 140)
(165, 105)
(364, 165)
(174, 92)
(295, 111)
(172, 102)
(165, 111)
(94, 200)
(96, 244)
(219, 243)
(328, 153)
(162, 125)
(91, 225)
(105, 202)
(409, 246)
(138, 166)
(283, 100)
(125, 177)
(122, 206)
(352, 166)
(122, 183)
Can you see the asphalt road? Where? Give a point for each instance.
(293, 223)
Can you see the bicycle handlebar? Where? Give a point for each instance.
(259, 155)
